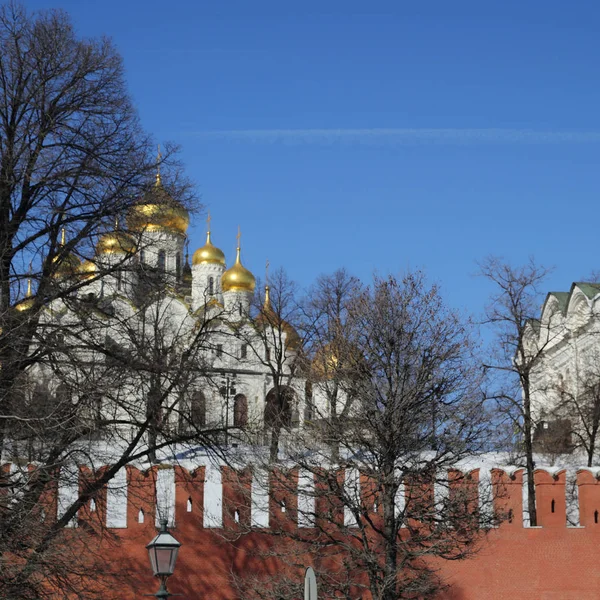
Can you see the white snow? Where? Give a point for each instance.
(352, 491)
(213, 496)
(116, 500)
(68, 491)
(260, 497)
(306, 498)
(165, 496)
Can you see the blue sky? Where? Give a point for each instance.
(376, 136)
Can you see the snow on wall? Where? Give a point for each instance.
(572, 498)
(526, 520)
(441, 490)
(486, 496)
(116, 500)
(213, 496)
(306, 498)
(68, 491)
(352, 491)
(166, 486)
(165, 496)
(260, 498)
(400, 500)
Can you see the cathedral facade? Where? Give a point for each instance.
(564, 345)
(143, 292)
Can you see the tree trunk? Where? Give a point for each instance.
(274, 448)
(530, 463)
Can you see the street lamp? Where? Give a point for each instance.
(227, 389)
(163, 551)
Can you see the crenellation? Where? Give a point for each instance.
(215, 496)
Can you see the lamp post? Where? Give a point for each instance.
(227, 389)
(163, 551)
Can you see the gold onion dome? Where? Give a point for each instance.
(158, 211)
(87, 270)
(238, 278)
(66, 264)
(208, 254)
(116, 242)
(338, 359)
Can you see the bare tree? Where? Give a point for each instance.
(274, 341)
(333, 366)
(574, 422)
(513, 312)
(376, 516)
(88, 377)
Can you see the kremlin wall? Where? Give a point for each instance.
(206, 504)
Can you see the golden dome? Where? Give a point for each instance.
(158, 211)
(208, 254)
(325, 362)
(87, 269)
(238, 278)
(28, 301)
(116, 242)
(338, 359)
(268, 317)
(67, 264)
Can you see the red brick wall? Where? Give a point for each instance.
(549, 562)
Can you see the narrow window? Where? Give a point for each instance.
(162, 260)
(211, 286)
(283, 506)
(236, 516)
(198, 412)
(268, 353)
(141, 516)
(43, 515)
(142, 256)
(596, 517)
(219, 350)
(240, 309)
(240, 411)
(552, 506)
(92, 505)
(178, 266)
(119, 279)
(510, 515)
(189, 505)
(244, 351)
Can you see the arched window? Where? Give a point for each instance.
(278, 407)
(119, 279)
(162, 260)
(211, 286)
(192, 413)
(240, 411)
(198, 409)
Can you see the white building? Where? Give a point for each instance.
(566, 377)
(141, 290)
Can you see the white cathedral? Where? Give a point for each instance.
(565, 378)
(234, 382)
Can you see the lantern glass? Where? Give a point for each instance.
(163, 550)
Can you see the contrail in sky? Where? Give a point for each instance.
(402, 136)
